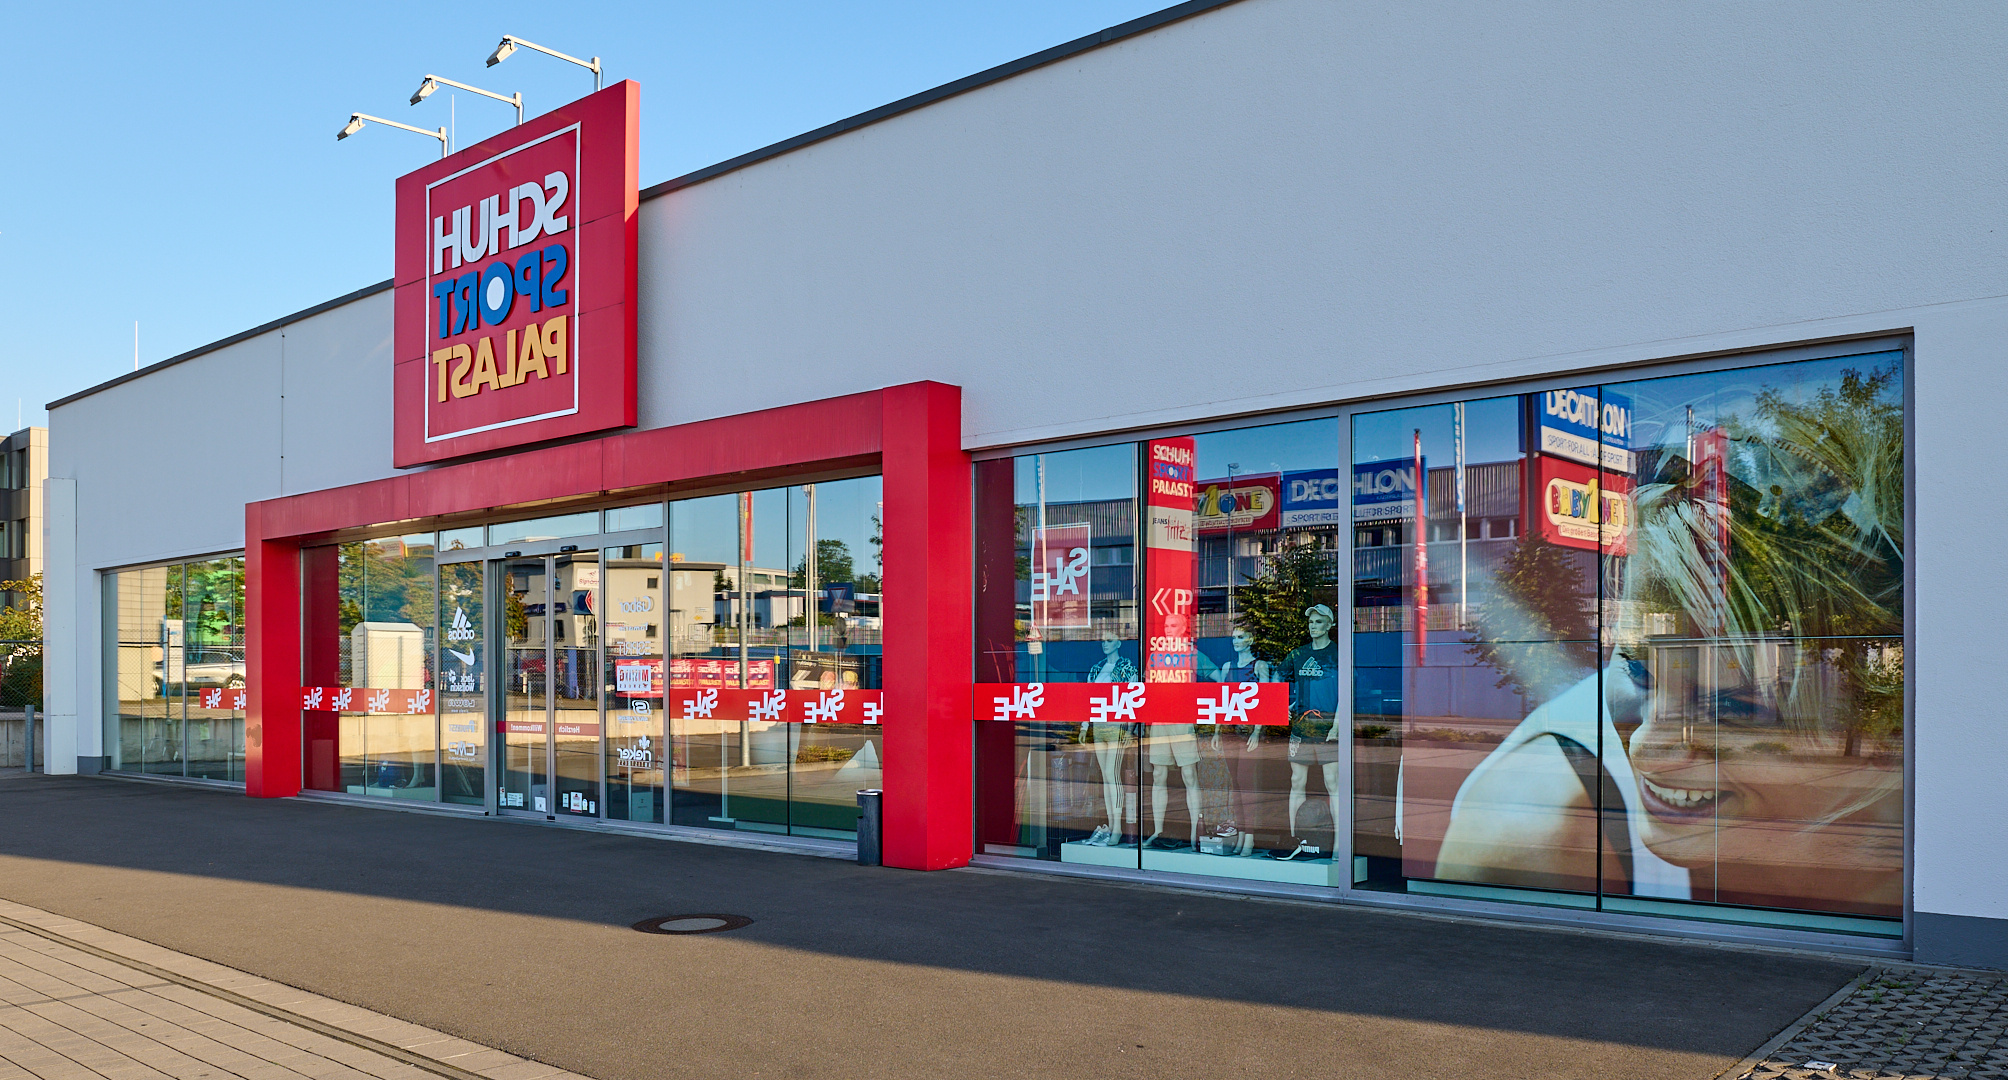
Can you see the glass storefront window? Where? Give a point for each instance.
(473, 536)
(754, 605)
(176, 632)
(547, 528)
(708, 627)
(383, 639)
(834, 644)
(1638, 646)
(632, 627)
(1057, 602)
(625, 518)
(462, 666)
(1236, 564)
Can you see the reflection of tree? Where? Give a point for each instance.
(213, 595)
(1270, 604)
(515, 615)
(21, 644)
(833, 566)
(1815, 555)
(871, 582)
(1538, 630)
(379, 584)
(1816, 544)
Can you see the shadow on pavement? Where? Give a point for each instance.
(518, 936)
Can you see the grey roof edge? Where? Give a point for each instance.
(224, 343)
(1141, 25)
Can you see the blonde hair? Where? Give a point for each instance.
(1787, 562)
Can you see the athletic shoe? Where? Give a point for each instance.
(1166, 843)
(1305, 851)
(1100, 837)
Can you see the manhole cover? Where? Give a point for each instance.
(691, 924)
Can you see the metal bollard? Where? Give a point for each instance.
(28, 728)
(871, 822)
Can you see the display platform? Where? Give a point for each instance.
(1322, 872)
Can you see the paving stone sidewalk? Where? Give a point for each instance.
(78, 1001)
(1899, 1023)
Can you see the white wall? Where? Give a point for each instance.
(1301, 200)
(164, 464)
(1289, 202)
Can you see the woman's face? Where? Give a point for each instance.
(1243, 640)
(1723, 779)
(1110, 643)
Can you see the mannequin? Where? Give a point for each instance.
(1108, 741)
(1313, 673)
(1234, 836)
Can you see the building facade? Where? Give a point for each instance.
(1471, 463)
(24, 464)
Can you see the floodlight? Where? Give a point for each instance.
(434, 82)
(511, 42)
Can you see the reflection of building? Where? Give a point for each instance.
(24, 465)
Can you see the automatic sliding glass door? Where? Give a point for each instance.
(523, 694)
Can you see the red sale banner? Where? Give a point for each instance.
(1135, 703)
(362, 699)
(731, 705)
(1169, 566)
(223, 699)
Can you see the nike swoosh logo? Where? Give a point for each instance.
(466, 658)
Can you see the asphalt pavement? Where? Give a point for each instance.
(518, 937)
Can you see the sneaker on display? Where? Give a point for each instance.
(1101, 837)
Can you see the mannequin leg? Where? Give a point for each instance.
(1190, 774)
(1333, 793)
(1160, 797)
(1300, 781)
(1109, 755)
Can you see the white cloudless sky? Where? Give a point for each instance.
(176, 165)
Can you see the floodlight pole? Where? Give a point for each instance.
(510, 42)
(425, 88)
(355, 125)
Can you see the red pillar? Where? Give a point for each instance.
(929, 822)
(271, 661)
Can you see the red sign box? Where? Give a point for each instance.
(1170, 569)
(1579, 505)
(1240, 504)
(516, 287)
(1061, 555)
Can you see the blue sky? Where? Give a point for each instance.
(176, 165)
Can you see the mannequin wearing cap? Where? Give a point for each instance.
(1107, 740)
(1313, 673)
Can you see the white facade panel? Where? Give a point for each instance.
(1287, 201)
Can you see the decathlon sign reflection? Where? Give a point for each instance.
(1590, 426)
(515, 292)
(1313, 497)
(1384, 490)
